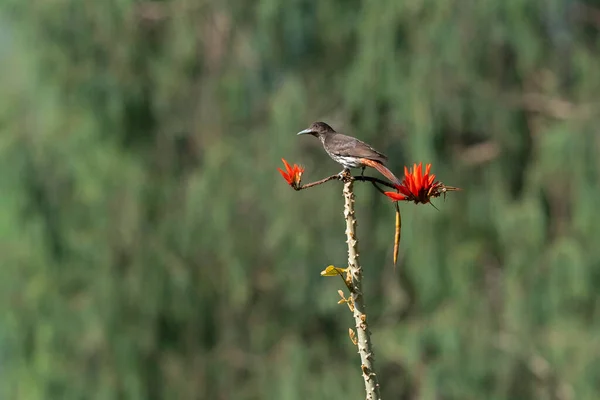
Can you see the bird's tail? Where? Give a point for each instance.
(382, 170)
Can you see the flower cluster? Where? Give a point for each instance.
(292, 175)
(419, 187)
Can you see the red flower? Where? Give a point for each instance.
(292, 175)
(418, 187)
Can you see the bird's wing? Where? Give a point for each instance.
(349, 146)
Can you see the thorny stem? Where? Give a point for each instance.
(353, 278)
(354, 282)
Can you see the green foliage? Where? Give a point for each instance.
(151, 250)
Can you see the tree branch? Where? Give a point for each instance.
(361, 178)
(309, 185)
(374, 181)
(354, 283)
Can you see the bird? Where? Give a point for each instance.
(349, 151)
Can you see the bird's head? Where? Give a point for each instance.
(317, 129)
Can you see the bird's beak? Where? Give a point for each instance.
(305, 132)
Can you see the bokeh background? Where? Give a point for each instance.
(149, 248)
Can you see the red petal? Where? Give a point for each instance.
(404, 190)
(411, 180)
(287, 166)
(395, 196)
(285, 175)
(413, 186)
(419, 176)
(431, 179)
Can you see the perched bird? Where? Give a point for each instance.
(348, 151)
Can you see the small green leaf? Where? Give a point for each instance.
(333, 271)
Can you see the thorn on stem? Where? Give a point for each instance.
(352, 335)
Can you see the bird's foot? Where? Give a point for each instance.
(345, 174)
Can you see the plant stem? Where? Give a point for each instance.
(354, 282)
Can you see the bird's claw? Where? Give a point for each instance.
(345, 174)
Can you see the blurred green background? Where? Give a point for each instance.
(150, 249)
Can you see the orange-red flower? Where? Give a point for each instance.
(292, 175)
(419, 187)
